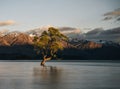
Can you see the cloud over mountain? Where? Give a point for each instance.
(67, 30)
(64, 30)
(100, 34)
(93, 35)
(72, 32)
(95, 31)
(113, 15)
(6, 23)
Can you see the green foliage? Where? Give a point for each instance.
(49, 42)
(35, 38)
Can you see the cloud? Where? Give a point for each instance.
(116, 12)
(113, 15)
(72, 32)
(118, 19)
(109, 35)
(69, 30)
(66, 28)
(107, 18)
(6, 23)
(95, 31)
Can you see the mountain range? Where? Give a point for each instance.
(91, 45)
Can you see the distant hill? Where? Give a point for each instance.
(89, 50)
(16, 46)
(15, 39)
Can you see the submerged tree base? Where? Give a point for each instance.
(42, 63)
(44, 60)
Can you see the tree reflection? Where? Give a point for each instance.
(49, 77)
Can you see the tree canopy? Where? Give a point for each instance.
(49, 43)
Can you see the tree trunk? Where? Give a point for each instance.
(45, 58)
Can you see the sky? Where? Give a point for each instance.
(23, 15)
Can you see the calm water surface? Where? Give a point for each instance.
(60, 75)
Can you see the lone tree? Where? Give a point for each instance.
(49, 43)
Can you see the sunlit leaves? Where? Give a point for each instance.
(50, 42)
(55, 46)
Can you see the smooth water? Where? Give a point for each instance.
(60, 75)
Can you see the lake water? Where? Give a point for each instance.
(60, 75)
